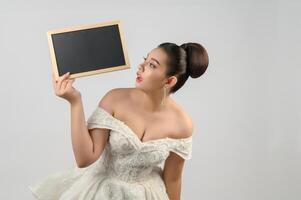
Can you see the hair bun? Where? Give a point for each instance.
(197, 59)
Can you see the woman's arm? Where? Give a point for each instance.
(88, 145)
(172, 176)
(86, 150)
(173, 167)
(82, 143)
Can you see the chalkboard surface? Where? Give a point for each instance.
(88, 50)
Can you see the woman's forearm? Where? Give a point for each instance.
(82, 143)
(173, 189)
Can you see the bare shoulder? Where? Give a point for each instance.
(110, 99)
(118, 92)
(184, 121)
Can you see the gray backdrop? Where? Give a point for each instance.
(246, 107)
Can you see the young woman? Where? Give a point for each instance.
(136, 141)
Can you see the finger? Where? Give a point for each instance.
(63, 85)
(69, 84)
(62, 78)
(54, 82)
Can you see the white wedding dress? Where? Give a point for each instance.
(128, 169)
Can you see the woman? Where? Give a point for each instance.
(136, 141)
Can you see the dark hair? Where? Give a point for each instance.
(188, 59)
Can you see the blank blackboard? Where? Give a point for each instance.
(88, 49)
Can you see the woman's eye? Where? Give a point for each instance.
(152, 65)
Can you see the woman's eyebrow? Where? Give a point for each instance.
(154, 59)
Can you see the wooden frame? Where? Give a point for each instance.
(82, 27)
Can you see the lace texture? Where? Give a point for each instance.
(128, 168)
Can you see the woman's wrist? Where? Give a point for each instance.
(76, 101)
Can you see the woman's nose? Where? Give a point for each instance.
(141, 67)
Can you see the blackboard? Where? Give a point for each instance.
(87, 50)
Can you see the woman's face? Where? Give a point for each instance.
(151, 72)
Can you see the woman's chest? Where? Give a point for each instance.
(148, 126)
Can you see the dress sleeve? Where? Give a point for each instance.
(100, 118)
(182, 147)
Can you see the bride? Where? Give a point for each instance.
(120, 148)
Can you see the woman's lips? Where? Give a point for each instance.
(138, 79)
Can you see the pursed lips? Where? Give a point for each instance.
(139, 77)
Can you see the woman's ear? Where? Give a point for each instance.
(171, 81)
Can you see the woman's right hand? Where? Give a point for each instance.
(63, 88)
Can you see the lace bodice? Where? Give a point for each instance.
(128, 169)
(127, 157)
